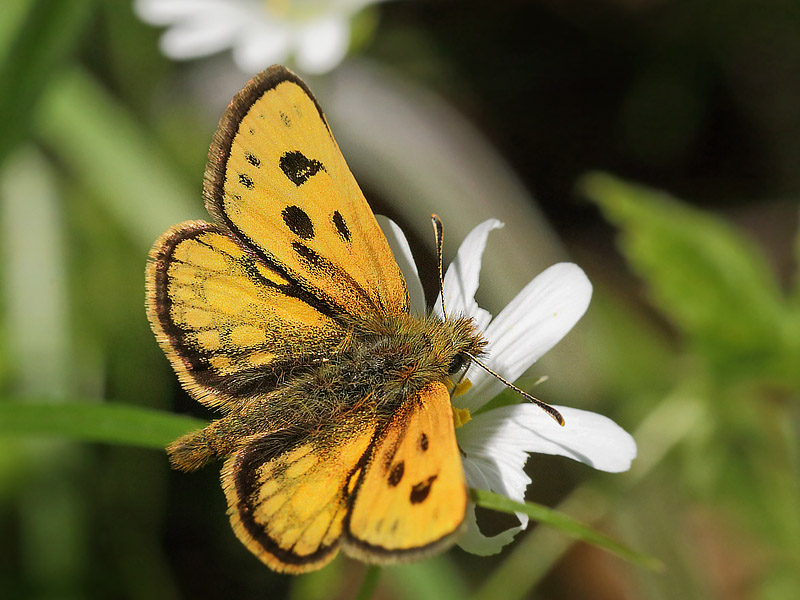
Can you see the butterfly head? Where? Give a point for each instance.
(445, 346)
(454, 342)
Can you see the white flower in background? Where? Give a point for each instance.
(496, 442)
(315, 33)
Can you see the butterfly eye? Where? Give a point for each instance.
(457, 364)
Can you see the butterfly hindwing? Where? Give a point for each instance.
(412, 498)
(385, 494)
(287, 504)
(277, 181)
(230, 325)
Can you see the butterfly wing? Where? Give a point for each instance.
(278, 183)
(295, 249)
(287, 501)
(412, 498)
(386, 495)
(230, 325)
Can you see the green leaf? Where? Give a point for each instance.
(370, 582)
(109, 423)
(14, 14)
(34, 275)
(437, 578)
(43, 41)
(707, 278)
(797, 268)
(565, 524)
(104, 146)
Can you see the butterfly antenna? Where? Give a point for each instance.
(438, 233)
(543, 405)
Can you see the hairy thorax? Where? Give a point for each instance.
(395, 356)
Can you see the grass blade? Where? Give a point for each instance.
(43, 40)
(109, 423)
(566, 524)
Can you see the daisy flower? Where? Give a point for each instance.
(316, 33)
(496, 442)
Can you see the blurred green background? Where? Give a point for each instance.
(472, 109)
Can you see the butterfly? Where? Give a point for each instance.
(290, 315)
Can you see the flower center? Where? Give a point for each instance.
(461, 416)
(293, 9)
(462, 387)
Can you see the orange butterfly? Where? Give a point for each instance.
(290, 315)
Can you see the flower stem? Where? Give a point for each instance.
(370, 583)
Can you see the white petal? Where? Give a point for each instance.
(495, 449)
(461, 279)
(496, 445)
(588, 437)
(199, 37)
(322, 44)
(494, 456)
(349, 6)
(474, 542)
(532, 323)
(262, 43)
(405, 260)
(165, 12)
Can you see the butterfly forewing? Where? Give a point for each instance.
(278, 182)
(229, 324)
(414, 475)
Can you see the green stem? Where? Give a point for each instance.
(370, 583)
(567, 525)
(93, 421)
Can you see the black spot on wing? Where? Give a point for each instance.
(287, 122)
(423, 442)
(421, 490)
(308, 255)
(320, 266)
(341, 226)
(252, 159)
(298, 222)
(396, 474)
(298, 167)
(246, 181)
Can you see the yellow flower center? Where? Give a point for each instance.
(293, 9)
(461, 388)
(461, 416)
(278, 8)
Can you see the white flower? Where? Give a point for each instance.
(260, 32)
(496, 442)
